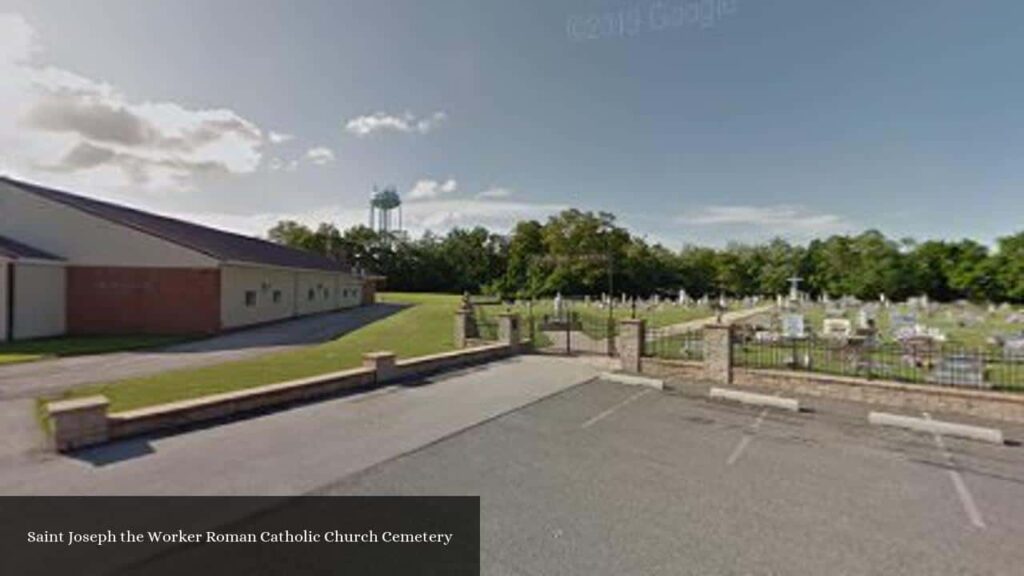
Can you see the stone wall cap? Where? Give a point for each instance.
(76, 404)
(381, 354)
(632, 321)
(936, 390)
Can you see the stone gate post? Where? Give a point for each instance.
(718, 353)
(632, 333)
(463, 318)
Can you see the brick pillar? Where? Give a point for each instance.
(79, 423)
(632, 333)
(463, 322)
(508, 330)
(383, 363)
(718, 353)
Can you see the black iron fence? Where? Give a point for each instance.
(484, 321)
(933, 363)
(669, 344)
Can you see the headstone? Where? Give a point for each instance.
(793, 326)
(960, 370)
(1013, 348)
(683, 298)
(902, 325)
(865, 318)
(836, 328)
(558, 305)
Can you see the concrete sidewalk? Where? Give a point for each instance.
(35, 379)
(299, 450)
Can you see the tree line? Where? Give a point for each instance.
(577, 252)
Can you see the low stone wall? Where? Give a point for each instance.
(718, 368)
(918, 397)
(979, 403)
(425, 365)
(85, 422)
(684, 369)
(219, 406)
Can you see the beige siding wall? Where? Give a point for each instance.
(350, 291)
(300, 292)
(236, 281)
(3, 299)
(86, 240)
(318, 292)
(40, 292)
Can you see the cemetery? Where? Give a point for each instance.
(958, 344)
(951, 344)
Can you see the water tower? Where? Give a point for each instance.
(383, 205)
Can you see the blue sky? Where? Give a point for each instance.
(694, 120)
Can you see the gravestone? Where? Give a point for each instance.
(1013, 348)
(902, 325)
(960, 370)
(865, 318)
(836, 328)
(793, 326)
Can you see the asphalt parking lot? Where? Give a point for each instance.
(610, 479)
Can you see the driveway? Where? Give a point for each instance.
(45, 377)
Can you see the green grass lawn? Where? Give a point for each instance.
(29, 350)
(423, 328)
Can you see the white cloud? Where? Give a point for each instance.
(60, 125)
(278, 137)
(432, 189)
(494, 193)
(785, 220)
(320, 155)
(407, 123)
(280, 165)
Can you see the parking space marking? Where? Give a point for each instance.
(747, 436)
(966, 499)
(612, 410)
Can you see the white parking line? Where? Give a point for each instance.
(966, 500)
(747, 436)
(612, 410)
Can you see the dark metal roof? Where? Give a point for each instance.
(14, 250)
(218, 244)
